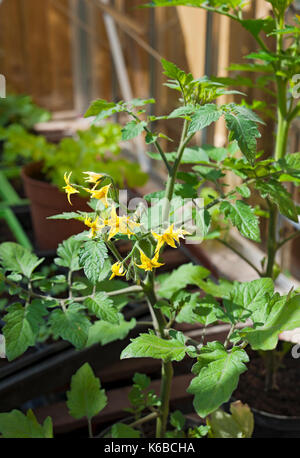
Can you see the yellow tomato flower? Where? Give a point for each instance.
(100, 194)
(69, 188)
(149, 264)
(94, 225)
(119, 224)
(169, 237)
(93, 177)
(117, 270)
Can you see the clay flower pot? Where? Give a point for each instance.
(47, 200)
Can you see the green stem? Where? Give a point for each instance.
(165, 393)
(282, 133)
(90, 428)
(167, 368)
(143, 420)
(272, 241)
(240, 255)
(185, 139)
(288, 239)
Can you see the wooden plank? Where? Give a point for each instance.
(193, 24)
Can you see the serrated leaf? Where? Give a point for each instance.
(92, 256)
(182, 112)
(199, 310)
(85, 399)
(177, 419)
(203, 117)
(243, 217)
(102, 307)
(16, 425)
(71, 326)
(253, 298)
(102, 332)
(278, 195)
(217, 378)
(244, 191)
(188, 274)
(98, 106)
(17, 259)
(68, 254)
(284, 316)
(152, 346)
(22, 327)
(244, 130)
(132, 130)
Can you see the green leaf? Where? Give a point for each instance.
(122, 431)
(102, 307)
(244, 130)
(170, 69)
(85, 399)
(71, 326)
(240, 424)
(22, 327)
(284, 316)
(133, 129)
(98, 106)
(182, 112)
(244, 191)
(205, 310)
(103, 109)
(152, 346)
(16, 425)
(68, 252)
(243, 217)
(141, 380)
(17, 259)
(66, 216)
(103, 332)
(92, 256)
(188, 274)
(217, 378)
(177, 419)
(203, 117)
(278, 195)
(253, 298)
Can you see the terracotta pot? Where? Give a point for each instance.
(47, 200)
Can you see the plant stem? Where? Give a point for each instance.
(90, 428)
(293, 236)
(166, 384)
(270, 362)
(160, 325)
(143, 420)
(283, 125)
(272, 241)
(185, 139)
(240, 255)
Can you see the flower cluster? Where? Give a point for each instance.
(123, 225)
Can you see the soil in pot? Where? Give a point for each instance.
(277, 411)
(47, 200)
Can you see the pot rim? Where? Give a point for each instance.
(35, 181)
(270, 415)
(273, 415)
